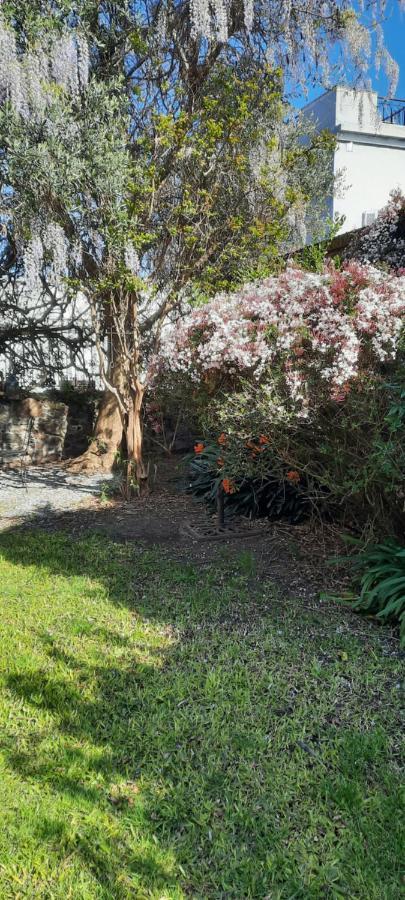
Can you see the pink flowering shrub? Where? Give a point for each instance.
(313, 362)
(309, 336)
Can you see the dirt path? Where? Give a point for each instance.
(292, 556)
(45, 490)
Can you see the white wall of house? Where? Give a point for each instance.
(370, 152)
(83, 368)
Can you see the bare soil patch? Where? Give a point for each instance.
(295, 557)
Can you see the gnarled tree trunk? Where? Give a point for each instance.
(120, 412)
(108, 432)
(134, 435)
(106, 441)
(110, 428)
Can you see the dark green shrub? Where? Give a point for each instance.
(350, 457)
(264, 496)
(382, 583)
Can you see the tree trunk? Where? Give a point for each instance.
(134, 438)
(112, 422)
(108, 431)
(106, 442)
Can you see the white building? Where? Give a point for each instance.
(33, 359)
(370, 151)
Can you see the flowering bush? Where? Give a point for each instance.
(302, 362)
(253, 483)
(384, 240)
(307, 335)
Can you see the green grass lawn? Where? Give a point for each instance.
(173, 733)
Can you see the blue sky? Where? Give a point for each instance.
(394, 32)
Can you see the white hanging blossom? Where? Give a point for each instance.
(33, 264)
(64, 64)
(248, 12)
(47, 252)
(34, 74)
(201, 22)
(25, 79)
(10, 74)
(55, 242)
(299, 30)
(83, 61)
(131, 259)
(358, 42)
(161, 25)
(221, 20)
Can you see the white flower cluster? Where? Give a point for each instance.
(46, 254)
(26, 78)
(317, 331)
(384, 240)
(33, 263)
(131, 259)
(70, 63)
(301, 29)
(55, 242)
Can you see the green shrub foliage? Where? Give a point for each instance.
(382, 583)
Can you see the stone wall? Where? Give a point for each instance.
(82, 409)
(32, 430)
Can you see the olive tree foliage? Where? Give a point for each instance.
(63, 171)
(147, 157)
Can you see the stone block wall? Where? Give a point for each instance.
(32, 430)
(82, 409)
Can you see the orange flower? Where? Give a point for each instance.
(228, 486)
(293, 476)
(254, 448)
(220, 462)
(222, 439)
(198, 448)
(263, 439)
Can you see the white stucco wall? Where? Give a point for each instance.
(370, 174)
(323, 110)
(85, 366)
(370, 153)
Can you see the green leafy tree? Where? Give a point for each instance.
(147, 158)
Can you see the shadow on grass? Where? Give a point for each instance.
(162, 739)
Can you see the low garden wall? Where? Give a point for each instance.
(46, 429)
(32, 430)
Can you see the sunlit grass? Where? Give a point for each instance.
(165, 734)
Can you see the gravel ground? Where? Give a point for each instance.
(45, 491)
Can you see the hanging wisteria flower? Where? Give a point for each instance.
(131, 259)
(26, 79)
(301, 31)
(55, 241)
(33, 263)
